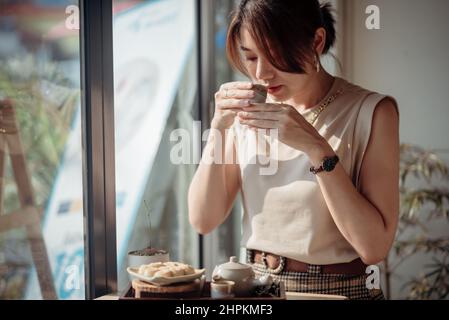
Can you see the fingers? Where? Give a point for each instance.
(229, 113)
(260, 124)
(242, 85)
(238, 104)
(273, 116)
(235, 90)
(235, 94)
(266, 107)
(264, 115)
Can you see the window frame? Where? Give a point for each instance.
(97, 114)
(97, 117)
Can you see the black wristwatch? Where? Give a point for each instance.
(328, 165)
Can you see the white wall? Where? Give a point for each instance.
(408, 59)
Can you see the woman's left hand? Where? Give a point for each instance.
(293, 129)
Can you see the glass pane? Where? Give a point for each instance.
(41, 198)
(155, 78)
(228, 235)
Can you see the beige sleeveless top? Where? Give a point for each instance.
(285, 213)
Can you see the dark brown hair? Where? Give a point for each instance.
(283, 29)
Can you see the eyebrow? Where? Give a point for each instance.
(244, 49)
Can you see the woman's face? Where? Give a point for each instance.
(282, 85)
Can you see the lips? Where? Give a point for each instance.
(274, 89)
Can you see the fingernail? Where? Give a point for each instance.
(244, 103)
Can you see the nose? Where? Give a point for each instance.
(265, 70)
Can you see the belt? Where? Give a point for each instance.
(277, 264)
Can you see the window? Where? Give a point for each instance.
(225, 240)
(155, 79)
(41, 193)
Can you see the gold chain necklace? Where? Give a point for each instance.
(323, 106)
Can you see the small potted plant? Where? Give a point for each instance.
(149, 254)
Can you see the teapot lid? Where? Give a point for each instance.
(233, 264)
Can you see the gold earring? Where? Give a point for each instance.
(317, 63)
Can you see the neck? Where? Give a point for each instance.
(316, 89)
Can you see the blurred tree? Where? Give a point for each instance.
(425, 203)
(45, 102)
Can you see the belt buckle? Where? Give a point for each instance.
(278, 269)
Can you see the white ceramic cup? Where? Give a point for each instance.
(222, 289)
(261, 94)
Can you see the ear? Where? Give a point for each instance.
(320, 40)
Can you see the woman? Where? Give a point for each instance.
(331, 208)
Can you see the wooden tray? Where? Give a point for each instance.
(142, 288)
(130, 294)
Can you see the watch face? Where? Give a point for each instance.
(329, 164)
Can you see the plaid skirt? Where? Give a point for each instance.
(313, 281)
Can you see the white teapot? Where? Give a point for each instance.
(242, 275)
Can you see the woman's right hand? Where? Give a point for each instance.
(230, 99)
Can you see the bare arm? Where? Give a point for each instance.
(367, 219)
(216, 183)
(214, 186)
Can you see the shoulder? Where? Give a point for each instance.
(382, 150)
(387, 108)
(367, 96)
(361, 102)
(376, 133)
(375, 109)
(385, 115)
(384, 137)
